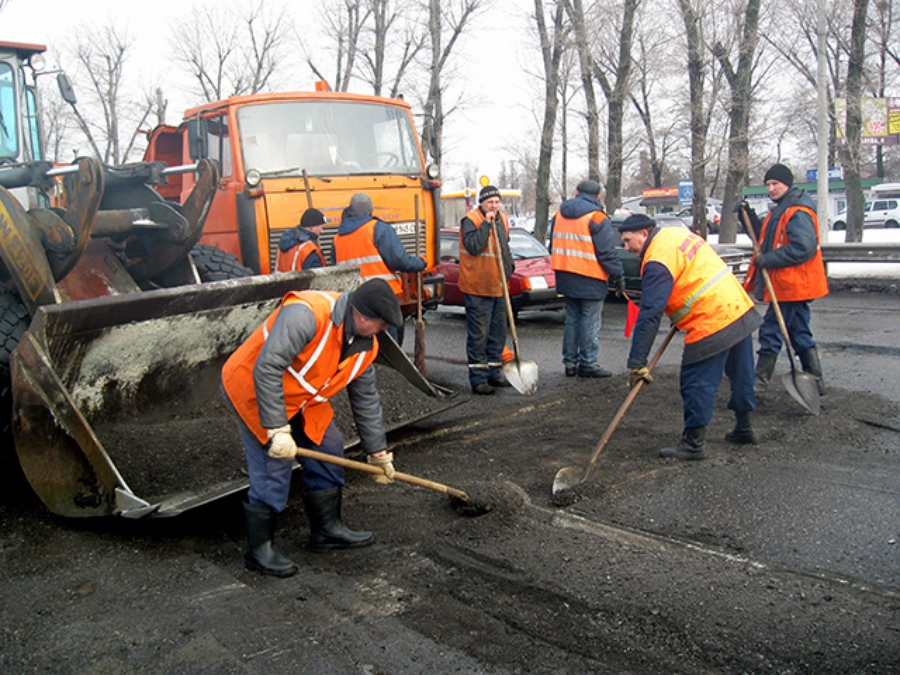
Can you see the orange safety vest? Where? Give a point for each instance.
(315, 375)
(797, 283)
(358, 248)
(706, 296)
(573, 248)
(479, 274)
(293, 258)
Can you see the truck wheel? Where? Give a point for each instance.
(14, 321)
(213, 264)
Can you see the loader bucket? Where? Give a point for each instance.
(117, 403)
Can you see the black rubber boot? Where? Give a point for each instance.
(692, 445)
(811, 364)
(260, 555)
(743, 430)
(327, 532)
(765, 366)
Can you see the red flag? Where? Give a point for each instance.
(631, 316)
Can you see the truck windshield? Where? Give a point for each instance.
(9, 131)
(328, 138)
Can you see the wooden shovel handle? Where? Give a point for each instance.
(370, 468)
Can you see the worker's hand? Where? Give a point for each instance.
(282, 445)
(639, 374)
(760, 262)
(620, 287)
(383, 460)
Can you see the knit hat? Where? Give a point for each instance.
(376, 300)
(636, 222)
(780, 173)
(311, 218)
(588, 187)
(487, 192)
(360, 205)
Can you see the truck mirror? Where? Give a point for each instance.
(198, 138)
(65, 88)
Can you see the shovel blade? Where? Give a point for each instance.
(803, 388)
(522, 375)
(567, 478)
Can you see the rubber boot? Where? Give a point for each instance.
(692, 445)
(743, 430)
(765, 366)
(811, 364)
(327, 532)
(260, 555)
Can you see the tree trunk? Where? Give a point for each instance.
(585, 62)
(850, 152)
(699, 123)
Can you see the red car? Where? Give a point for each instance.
(531, 286)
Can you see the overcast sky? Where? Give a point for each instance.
(501, 93)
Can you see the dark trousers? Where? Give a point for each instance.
(700, 382)
(485, 337)
(796, 318)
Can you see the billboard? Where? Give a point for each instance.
(880, 120)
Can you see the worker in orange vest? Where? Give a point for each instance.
(790, 249)
(279, 382)
(298, 248)
(683, 277)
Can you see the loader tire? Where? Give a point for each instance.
(214, 264)
(14, 321)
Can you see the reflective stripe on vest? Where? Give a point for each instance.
(706, 297)
(573, 247)
(358, 248)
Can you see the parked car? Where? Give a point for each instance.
(738, 259)
(713, 216)
(877, 213)
(531, 286)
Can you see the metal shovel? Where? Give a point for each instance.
(522, 375)
(572, 476)
(800, 385)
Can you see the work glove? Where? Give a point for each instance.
(638, 374)
(282, 444)
(760, 262)
(755, 222)
(620, 287)
(385, 462)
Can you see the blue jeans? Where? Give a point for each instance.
(583, 321)
(270, 478)
(700, 382)
(796, 318)
(485, 337)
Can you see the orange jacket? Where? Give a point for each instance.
(316, 374)
(358, 248)
(293, 259)
(706, 296)
(797, 283)
(479, 274)
(573, 247)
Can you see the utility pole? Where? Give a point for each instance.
(822, 123)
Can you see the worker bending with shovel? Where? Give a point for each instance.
(279, 382)
(683, 277)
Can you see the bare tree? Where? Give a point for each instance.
(446, 23)
(552, 45)
(229, 54)
(392, 32)
(740, 81)
(575, 10)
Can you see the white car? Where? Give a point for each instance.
(877, 213)
(713, 216)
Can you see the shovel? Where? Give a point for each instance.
(369, 468)
(522, 375)
(801, 386)
(571, 476)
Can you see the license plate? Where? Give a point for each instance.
(405, 228)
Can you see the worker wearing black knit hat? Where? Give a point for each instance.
(584, 257)
(298, 248)
(480, 281)
(685, 279)
(279, 383)
(789, 248)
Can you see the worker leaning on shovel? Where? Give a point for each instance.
(683, 277)
(279, 382)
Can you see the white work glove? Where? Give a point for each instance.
(639, 374)
(385, 462)
(282, 444)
